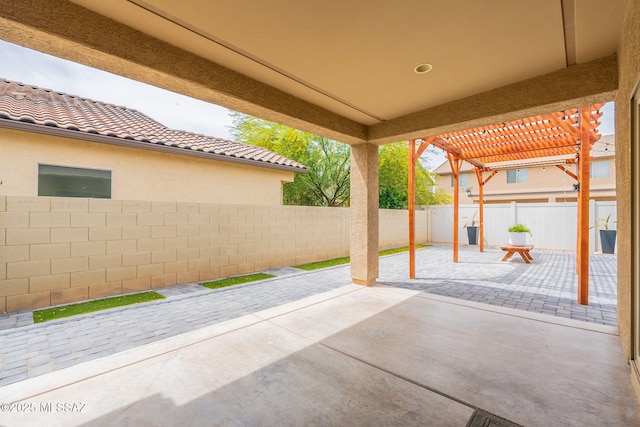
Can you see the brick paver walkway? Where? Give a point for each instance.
(546, 286)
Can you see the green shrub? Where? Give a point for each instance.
(519, 228)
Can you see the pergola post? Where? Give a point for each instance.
(412, 209)
(414, 155)
(584, 166)
(481, 183)
(480, 209)
(455, 164)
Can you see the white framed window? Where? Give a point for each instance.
(463, 180)
(516, 176)
(63, 181)
(600, 169)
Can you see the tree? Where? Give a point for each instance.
(327, 182)
(327, 161)
(394, 176)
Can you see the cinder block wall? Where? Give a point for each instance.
(394, 228)
(59, 250)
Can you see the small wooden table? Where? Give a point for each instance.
(522, 250)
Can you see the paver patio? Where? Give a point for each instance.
(548, 285)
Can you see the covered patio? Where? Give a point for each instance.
(368, 76)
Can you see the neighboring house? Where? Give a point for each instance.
(54, 144)
(537, 184)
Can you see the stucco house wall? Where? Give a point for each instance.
(137, 173)
(628, 79)
(124, 154)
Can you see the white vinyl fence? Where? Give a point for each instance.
(553, 225)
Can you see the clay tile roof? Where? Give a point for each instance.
(45, 107)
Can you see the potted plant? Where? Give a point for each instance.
(607, 237)
(518, 235)
(472, 229)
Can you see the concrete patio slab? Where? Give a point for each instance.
(351, 356)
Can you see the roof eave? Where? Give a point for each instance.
(92, 137)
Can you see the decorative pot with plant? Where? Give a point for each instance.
(472, 229)
(518, 235)
(607, 237)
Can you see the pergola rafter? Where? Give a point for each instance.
(549, 135)
(558, 138)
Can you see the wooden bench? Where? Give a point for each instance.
(522, 250)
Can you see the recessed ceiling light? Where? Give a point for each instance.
(423, 68)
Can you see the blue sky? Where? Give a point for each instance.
(171, 109)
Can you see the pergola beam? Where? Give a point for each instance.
(568, 172)
(523, 155)
(554, 149)
(549, 135)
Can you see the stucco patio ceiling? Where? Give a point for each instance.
(345, 69)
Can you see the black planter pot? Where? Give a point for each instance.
(608, 241)
(472, 234)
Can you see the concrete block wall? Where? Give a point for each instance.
(59, 250)
(394, 227)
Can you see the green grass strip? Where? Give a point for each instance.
(345, 260)
(231, 281)
(52, 313)
(398, 250)
(324, 264)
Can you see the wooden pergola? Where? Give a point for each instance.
(558, 139)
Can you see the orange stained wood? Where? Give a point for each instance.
(568, 172)
(411, 201)
(582, 251)
(537, 137)
(456, 163)
(479, 174)
(414, 154)
(524, 251)
(563, 137)
(481, 183)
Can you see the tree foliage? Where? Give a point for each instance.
(394, 175)
(327, 182)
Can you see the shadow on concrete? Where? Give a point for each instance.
(419, 362)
